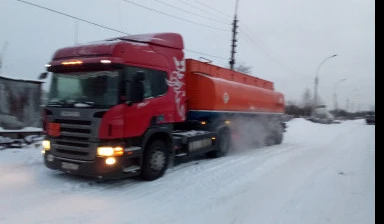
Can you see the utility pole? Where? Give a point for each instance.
(317, 80)
(234, 32)
(2, 53)
(335, 94)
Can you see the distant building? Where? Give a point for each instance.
(20, 103)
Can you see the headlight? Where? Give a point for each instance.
(46, 145)
(110, 151)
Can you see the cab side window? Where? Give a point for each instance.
(159, 83)
(155, 83)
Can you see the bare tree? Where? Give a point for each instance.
(293, 109)
(307, 98)
(307, 102)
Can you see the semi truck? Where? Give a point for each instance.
(129, 106)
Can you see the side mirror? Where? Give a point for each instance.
(43, 75)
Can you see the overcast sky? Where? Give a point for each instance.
(282, 41)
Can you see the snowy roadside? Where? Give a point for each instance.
(320, 174)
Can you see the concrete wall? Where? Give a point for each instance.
(20, 102)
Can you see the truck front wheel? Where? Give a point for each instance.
(155, 160)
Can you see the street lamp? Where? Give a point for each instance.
(351, 96)
(317, 79)
(334, 92)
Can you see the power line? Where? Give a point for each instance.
(202, 10)
(74, 17)
(102, 26)
(196, 14)
(260, 46)
(214, 56)
(294, 71)
(176, 17)
(207, 6)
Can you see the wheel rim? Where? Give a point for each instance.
(157, 160)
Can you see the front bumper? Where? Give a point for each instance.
(125, 166)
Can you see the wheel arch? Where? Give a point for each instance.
(160, 133)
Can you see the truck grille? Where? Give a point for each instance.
(75, 140)
(75, 129)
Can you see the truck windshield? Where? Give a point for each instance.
(84, 89)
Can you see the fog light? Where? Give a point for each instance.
(46, 145)
(110, 161)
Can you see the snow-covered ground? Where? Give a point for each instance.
(320, 174)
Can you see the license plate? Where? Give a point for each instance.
(69, 166)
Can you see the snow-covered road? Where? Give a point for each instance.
(320, 174)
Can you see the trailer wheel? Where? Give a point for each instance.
(276, 137)
(279, 137)
(270, 140)
(155, 160)
(224, 144)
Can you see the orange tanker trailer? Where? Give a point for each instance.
(249, 105)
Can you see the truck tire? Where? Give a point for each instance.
(270, 140)
(155, 161)
(278, 135)
(224, 144)
(275, 137)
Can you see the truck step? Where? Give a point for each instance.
(131, 169)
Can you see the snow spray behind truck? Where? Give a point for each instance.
(128, 106)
